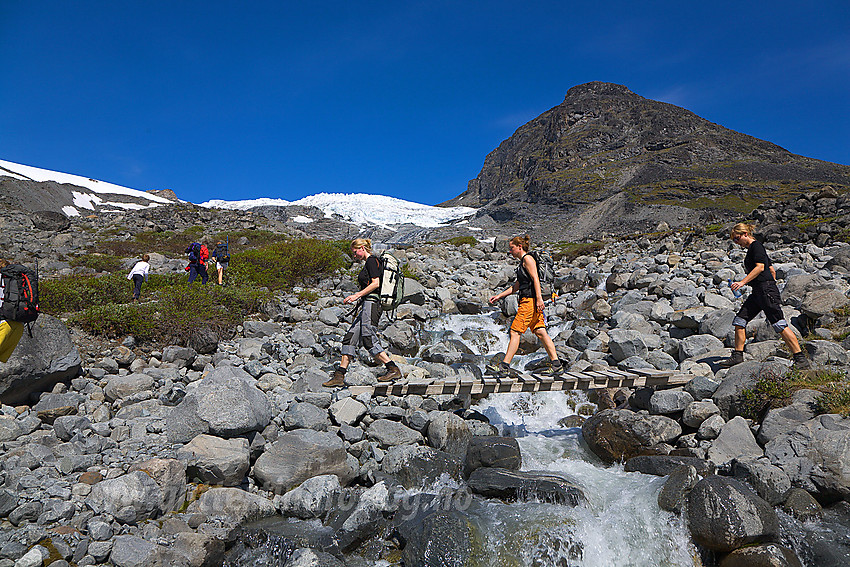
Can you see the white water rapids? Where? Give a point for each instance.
(622, 524)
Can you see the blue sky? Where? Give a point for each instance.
(237, 100)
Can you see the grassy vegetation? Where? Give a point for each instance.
(773, 390)
(98, 262)
(461, 240)
(171, 310)
(569, 251)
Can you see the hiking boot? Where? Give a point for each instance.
(337, 380)
(800, 361)
(736, 358)
(392, 373)
(504, 370)
(551, 369)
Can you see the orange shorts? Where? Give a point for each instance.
(527, 316)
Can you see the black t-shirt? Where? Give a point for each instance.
(371, 270)
(756, 254)
(526, 284)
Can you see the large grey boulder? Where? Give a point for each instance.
(305, 415)
(313, 498)
(133, 551)
(697, 412)
(735, 441)
(365, 518)
(769, 481)
(717, 324)
(784, 420)
(665, 402)
(225, 403)
(232, 504)
(450, 433)
(39, 362)
(492, 451)
(135, 492)
(820, 302)
(119, 387)
(389, 433)
(797, 286)
(739, 378)
(415, 466)
(697, 345)
(618, 435)
(213, 460)
(299, 455)
(725, 514)
(827, 353)
(681, 480)
(624, 343)
(816, 456)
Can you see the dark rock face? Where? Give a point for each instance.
(39, 361)
(50, 220)
(662, 465)
(519, 485)
(437, 538)
(604, 140)
(725, 514)
(492, 451)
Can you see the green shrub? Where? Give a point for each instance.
(461, 240)
(115, 320)
(282, 265)
(569, 251)
(98, 262)
(770, 390)
(74, 293)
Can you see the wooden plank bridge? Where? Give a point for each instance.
(588, 380)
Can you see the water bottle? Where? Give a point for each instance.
(735, 292)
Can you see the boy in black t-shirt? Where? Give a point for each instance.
(761, 277)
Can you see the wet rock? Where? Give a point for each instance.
(672, 495)
(770, 482)
(662, 465)
(414, 466)
(492, 451)
(802, 505)
(511, 485)
(450, 532)
(765, 555)
(615, 435)
(725, 514)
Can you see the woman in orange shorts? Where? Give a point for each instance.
(530, 313)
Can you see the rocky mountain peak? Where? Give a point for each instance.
(607, 158)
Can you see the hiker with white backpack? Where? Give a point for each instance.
(364, 327)
(530, 314)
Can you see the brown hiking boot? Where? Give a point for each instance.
(391, 375)
(337, 380)
(800, 361)
(736, 358)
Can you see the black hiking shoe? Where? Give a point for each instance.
(504, 370)
(736, 358)
(337, 380)
(552, 368)
(801, 362)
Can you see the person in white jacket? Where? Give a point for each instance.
(139, 274)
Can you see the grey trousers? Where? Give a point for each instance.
(364, 329)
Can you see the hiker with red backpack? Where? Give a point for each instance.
(364, 328)
(18, 304)
(198, 255)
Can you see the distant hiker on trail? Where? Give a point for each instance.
(764, 297)
(198, 255)
(139, 274)
(10, 331)
(222, 260)
(530, 313)
(364, 327)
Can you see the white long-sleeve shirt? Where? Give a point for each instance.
(141, 268)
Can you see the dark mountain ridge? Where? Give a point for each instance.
(607, 153)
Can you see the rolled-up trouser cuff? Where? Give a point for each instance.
(779, 326)
(739, 322)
